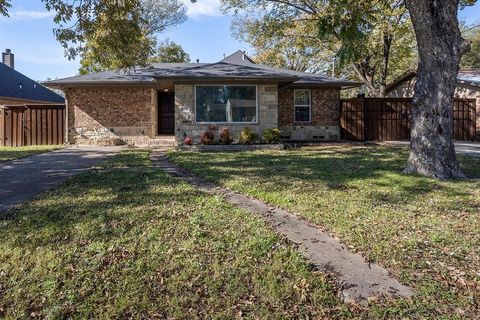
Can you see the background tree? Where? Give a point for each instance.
(283, 43)
(110, 33)
(471, 59)
(372, 41)
(169, 51)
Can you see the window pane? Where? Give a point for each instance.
(302, 113)
(226, 104)
(302, 97)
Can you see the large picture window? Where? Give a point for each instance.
(302, 105)
(226, 103)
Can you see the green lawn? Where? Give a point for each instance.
(426, 232)
(136, 243)
(11, 153)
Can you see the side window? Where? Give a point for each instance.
(302, 105)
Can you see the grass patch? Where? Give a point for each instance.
(139, 244)
(128, 159)
(425, 231)
(11, 153)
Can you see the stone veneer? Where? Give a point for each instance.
(325, 115)
(96, 114)
(185, 114)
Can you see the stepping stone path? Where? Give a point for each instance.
(357, 280)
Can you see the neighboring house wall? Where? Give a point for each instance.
(325, 115)
(185, 124)
(99, 113)
(405, 89)
(11, 101)
(465, 91)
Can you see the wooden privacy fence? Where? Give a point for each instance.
(30, 125)
(389, 119)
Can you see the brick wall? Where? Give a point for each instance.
(325, 111)
(185, 113)
(101, 113)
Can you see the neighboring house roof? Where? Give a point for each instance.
(237, 66)
(470, 77)
(15, 85)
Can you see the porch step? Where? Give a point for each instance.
(167, 141)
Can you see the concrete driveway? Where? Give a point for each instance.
(466, 148)
(22, 179)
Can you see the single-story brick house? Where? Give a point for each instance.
(18, 89)
(467, 87)
(183, 99)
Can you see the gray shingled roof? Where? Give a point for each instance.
(15, 85)
(234, 67)
(471, 77)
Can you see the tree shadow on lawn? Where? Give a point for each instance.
(92, 206)
(377, 170)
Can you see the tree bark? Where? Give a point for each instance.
(387, 46)
(366, 74)
(440, 46)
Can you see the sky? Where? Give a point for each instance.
(206, 36)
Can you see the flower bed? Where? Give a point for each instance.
(230, 147)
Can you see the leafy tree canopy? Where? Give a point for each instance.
(471, 59)
(169, 51)
(374, 40)
(111, 33)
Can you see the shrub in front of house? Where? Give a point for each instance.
(247, 136)
(187, 141)
(208, 137)
(225, 136)
(271, 136)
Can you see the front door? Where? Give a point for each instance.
(166, 113)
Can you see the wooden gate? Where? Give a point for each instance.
(30, 125)
(389, 119)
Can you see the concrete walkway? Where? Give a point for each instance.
(22, 179)
(357, 280)
(466, 148)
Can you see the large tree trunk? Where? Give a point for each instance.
(440, 46)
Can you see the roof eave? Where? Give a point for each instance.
(470, 83)
(64, 84)
(338, 84)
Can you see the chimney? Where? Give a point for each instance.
(8, 58)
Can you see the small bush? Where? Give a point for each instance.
(225, 136)
(247, 136)
(208, 137)
(187, 141)
(271, 136)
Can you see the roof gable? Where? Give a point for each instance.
(15, 85)
(238, 57)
